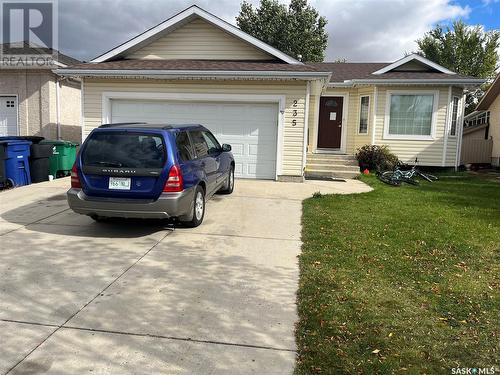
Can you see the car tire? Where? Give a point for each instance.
(198, 208)
(228, 186)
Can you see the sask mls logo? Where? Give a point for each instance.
(28, 32)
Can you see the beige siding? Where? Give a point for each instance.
(199, 40)
(429, 152)
(353, 139)
(495, 126)
(293, 135)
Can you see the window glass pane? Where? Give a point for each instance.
(199, 143)
(124, 150)
(184, 147)
(363, 115)
(213, 145)
(454, 116)
(411, 114)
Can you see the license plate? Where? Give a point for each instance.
(119, 183)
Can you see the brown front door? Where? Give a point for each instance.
(330, 121)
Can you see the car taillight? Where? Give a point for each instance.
(174, 181)
(75, 180)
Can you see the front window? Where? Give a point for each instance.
(411, 115)
(363, 114)
(454, 116)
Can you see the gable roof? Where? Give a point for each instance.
(490, 95)
(413, 57)
(181, 19)
(349, 74)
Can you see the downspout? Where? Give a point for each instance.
(306, 126)
(459, 134)
(58, 108)
(375, 105)
(449, 108)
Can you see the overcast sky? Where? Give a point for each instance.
(361, 30)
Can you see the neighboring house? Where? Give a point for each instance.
(481, 140)
(281, 116)
(36, 101)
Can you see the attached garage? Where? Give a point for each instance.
(8, 116)
(196, 68)
(250, 128)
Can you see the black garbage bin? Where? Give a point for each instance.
(3, 175)
(39, 162)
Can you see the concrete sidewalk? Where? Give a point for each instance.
(142, 297)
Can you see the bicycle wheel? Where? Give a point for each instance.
(388, 178)
(427, 177)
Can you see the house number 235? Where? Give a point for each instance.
(294, 113)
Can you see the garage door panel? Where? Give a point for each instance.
(250, 128)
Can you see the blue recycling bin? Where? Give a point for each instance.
(17, 169)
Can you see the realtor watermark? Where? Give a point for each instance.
(28, 33)
(475, 370)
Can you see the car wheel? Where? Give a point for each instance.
(198, 208)
(229, 184)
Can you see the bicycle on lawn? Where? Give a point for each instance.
(401, 175)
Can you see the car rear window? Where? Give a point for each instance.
(124, 150)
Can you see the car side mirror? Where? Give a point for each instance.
(226, 147)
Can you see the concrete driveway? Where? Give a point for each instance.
(140, 297)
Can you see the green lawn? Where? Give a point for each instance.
(401, 280)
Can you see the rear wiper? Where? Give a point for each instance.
(108, 163)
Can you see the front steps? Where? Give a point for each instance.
(331, 166)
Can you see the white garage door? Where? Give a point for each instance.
(250, 128)
(8, 115)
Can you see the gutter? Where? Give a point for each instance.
(189, 73)
(450, 81)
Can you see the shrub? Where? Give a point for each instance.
(376, 158)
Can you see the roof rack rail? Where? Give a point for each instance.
(121, 124)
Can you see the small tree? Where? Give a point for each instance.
(298, 30)
(467, 50)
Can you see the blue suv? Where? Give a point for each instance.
(139, 170)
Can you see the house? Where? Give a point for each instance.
(283, 117)
(481, 139)
(36, 101)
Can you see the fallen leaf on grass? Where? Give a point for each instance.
(376, 351)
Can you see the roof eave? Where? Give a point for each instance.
(190, 73)
(416, 81)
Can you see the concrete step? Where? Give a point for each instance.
(329, 166)
(330, 157)
(330, 174)
(327, 162)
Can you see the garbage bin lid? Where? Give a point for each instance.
(31, 138)
(58, 142)
(15, 142)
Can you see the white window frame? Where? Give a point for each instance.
(409, 137)
(368, 117)
(451, 116)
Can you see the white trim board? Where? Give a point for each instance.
(343, 137)
(107, 96)
(435, 108)
(412, 57)
(182, 18)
